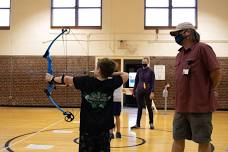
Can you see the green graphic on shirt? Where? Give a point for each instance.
(97, 99)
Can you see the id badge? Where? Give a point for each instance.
(186, 71)
(144, 85)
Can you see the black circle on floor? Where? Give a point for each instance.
(142, 141)
(7, 145)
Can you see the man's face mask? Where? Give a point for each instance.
(179, 39)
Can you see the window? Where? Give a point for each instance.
(4, 13)
(76, 13)
(169, 13)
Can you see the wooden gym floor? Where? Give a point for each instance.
(44, 129)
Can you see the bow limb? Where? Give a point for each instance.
(51, 86)
(47, 53)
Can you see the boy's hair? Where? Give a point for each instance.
(107, 67)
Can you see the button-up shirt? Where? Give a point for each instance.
(193, 84)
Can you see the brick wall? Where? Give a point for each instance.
(159, 84)
(170, 71)
(22, 80)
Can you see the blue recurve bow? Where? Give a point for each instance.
(51, 85)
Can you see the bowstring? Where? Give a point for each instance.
(65, 47)
(85, 49)
(77, 116)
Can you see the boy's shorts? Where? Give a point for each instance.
(116, 108)
(193, 126)
(95, 142)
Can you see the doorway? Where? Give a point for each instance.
(130, 66)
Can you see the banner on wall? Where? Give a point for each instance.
(159, 71)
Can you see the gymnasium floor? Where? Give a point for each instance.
(44, 129)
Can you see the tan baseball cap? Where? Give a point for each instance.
(182, 26)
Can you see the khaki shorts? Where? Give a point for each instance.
(193, 126)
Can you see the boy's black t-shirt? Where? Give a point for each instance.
(97, 103)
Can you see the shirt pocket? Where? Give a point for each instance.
(191, 63)
(177, 67)
(177, 63)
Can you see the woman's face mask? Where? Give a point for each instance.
(144, 65)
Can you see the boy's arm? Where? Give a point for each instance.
(123, 75)
(67, 80)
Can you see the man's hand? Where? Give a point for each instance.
(48, 77)
(215, 93)
(152, 95)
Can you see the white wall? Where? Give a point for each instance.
(122, 20)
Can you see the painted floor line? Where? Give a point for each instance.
(39, 147)
(17, 142)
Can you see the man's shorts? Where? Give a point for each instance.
(116, 108)
(193, 126)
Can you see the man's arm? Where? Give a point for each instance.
(123, 75)
(67, 80)
(215, 78)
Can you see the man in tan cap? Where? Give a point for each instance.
(197, 78)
